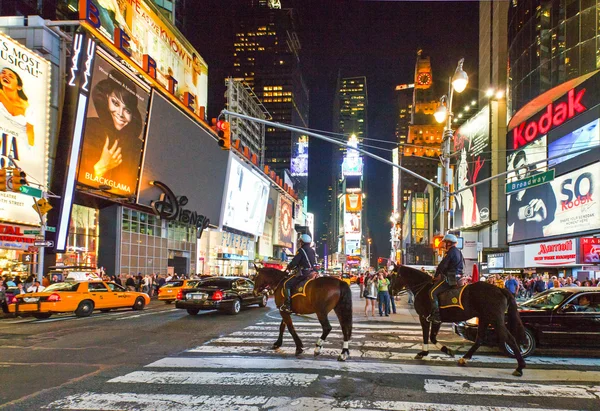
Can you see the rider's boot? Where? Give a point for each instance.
(286, 307)
(434, 317)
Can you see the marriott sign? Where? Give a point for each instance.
(555, 114)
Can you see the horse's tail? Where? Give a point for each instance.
(515, 326)
(343, 309)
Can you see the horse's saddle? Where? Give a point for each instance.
(299, 288)
(452, 298)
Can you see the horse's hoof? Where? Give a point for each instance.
(462, 362)
(299, 351)
(276, 346)
(447, 351)
(420, 355)
(343, 357)
(317, 351)
(517, 373)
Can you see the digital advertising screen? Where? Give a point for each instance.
(299, 164)
(472, 141)
(113, 138)
(568, 204)
(585, 136)
(354, 202)
(526, 156)
(246, 198)
(285, 223)
(352, 223)
(24, 112)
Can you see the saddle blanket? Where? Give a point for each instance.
(299, 288)
(452, 298)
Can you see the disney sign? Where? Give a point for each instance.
(170, 207)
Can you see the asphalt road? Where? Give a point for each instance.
(163, 359)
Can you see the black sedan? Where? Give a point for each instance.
(220, 293)
(559, 317)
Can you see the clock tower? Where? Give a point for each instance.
(423, 76)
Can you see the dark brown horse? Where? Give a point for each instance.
(319, 296)
(485, 301)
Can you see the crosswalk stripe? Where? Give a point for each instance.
(301, 335)
(181, 402)
(273, 363)
(390, 355)
(219, 378)
(354, 326)
(511, 389)
(381, 330)
(413, 344)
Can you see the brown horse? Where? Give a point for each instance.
(485, 301)
(319, 296)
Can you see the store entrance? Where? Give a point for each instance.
(179, 264)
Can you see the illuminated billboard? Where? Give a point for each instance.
(352, 247)
(285, 223)
(585, 136)
(395, 180)
(354, 202)
(352, 223)
(299, 164)
(141, 34)
(352, 165)
(113, 138)
(246, 198)
(563, 206)
(24, 116)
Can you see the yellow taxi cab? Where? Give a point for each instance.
(168, 292)
(81, 297)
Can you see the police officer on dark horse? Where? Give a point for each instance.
(482, 300)
(304, 261)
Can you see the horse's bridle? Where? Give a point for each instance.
(420, 287)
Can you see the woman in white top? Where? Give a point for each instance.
(370, 294)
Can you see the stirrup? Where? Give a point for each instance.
(285, 308)
(434, 320)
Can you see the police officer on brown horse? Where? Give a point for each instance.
(445, 275)
(304, 261)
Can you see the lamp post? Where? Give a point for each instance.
(369, 250)
(458, 82)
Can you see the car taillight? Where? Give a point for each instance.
(217, 296)
(53, 298)
(180, 295)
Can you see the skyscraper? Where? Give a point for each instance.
(266, 58)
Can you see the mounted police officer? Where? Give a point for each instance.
(445, 275)
(304, 261)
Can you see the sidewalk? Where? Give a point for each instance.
(404, 313)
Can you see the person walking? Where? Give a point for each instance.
(370, 294)
(361, 284)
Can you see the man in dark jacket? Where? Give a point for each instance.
(304, 260)
(451, 266)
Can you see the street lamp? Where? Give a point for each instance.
(369, 250)
(457, 83)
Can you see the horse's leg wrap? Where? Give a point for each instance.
(318, 346)
(345, 352)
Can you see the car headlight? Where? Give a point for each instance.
(473, 322)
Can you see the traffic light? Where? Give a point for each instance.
(379, 261)
(224, 133)
(3, 179)
(437, 241)
(18, 179)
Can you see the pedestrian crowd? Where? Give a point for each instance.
(527, 288)
(376, 287)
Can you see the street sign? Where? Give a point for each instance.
(35, 232)
(44, 243)
(51, 229)
(42, 205)
(31, 191)
(532, 181)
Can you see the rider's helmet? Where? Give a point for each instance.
(305, 238)
(451, 238)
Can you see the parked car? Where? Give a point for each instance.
(168, 292)
(220, 293)
(81, 297)
(559, 317)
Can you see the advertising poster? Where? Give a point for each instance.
(566, 205)
(299, 164)
(285, 223)
(354, 202)
(24, 105)
(352, 247)
(589, 250)
(113, 139)
(246, 199)
(586, 136)
(472, 141)
(352, 223)
(265, 243)
(531, 153)
(150, 35)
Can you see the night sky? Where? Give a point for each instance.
(377, 39)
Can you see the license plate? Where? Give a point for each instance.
(196, 296)
(169, 291)
(31, 299)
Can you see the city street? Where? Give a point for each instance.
(163, 359)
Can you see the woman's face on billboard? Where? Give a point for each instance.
(120, 113)
(8, 79)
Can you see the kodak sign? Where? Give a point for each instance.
(555, 114)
